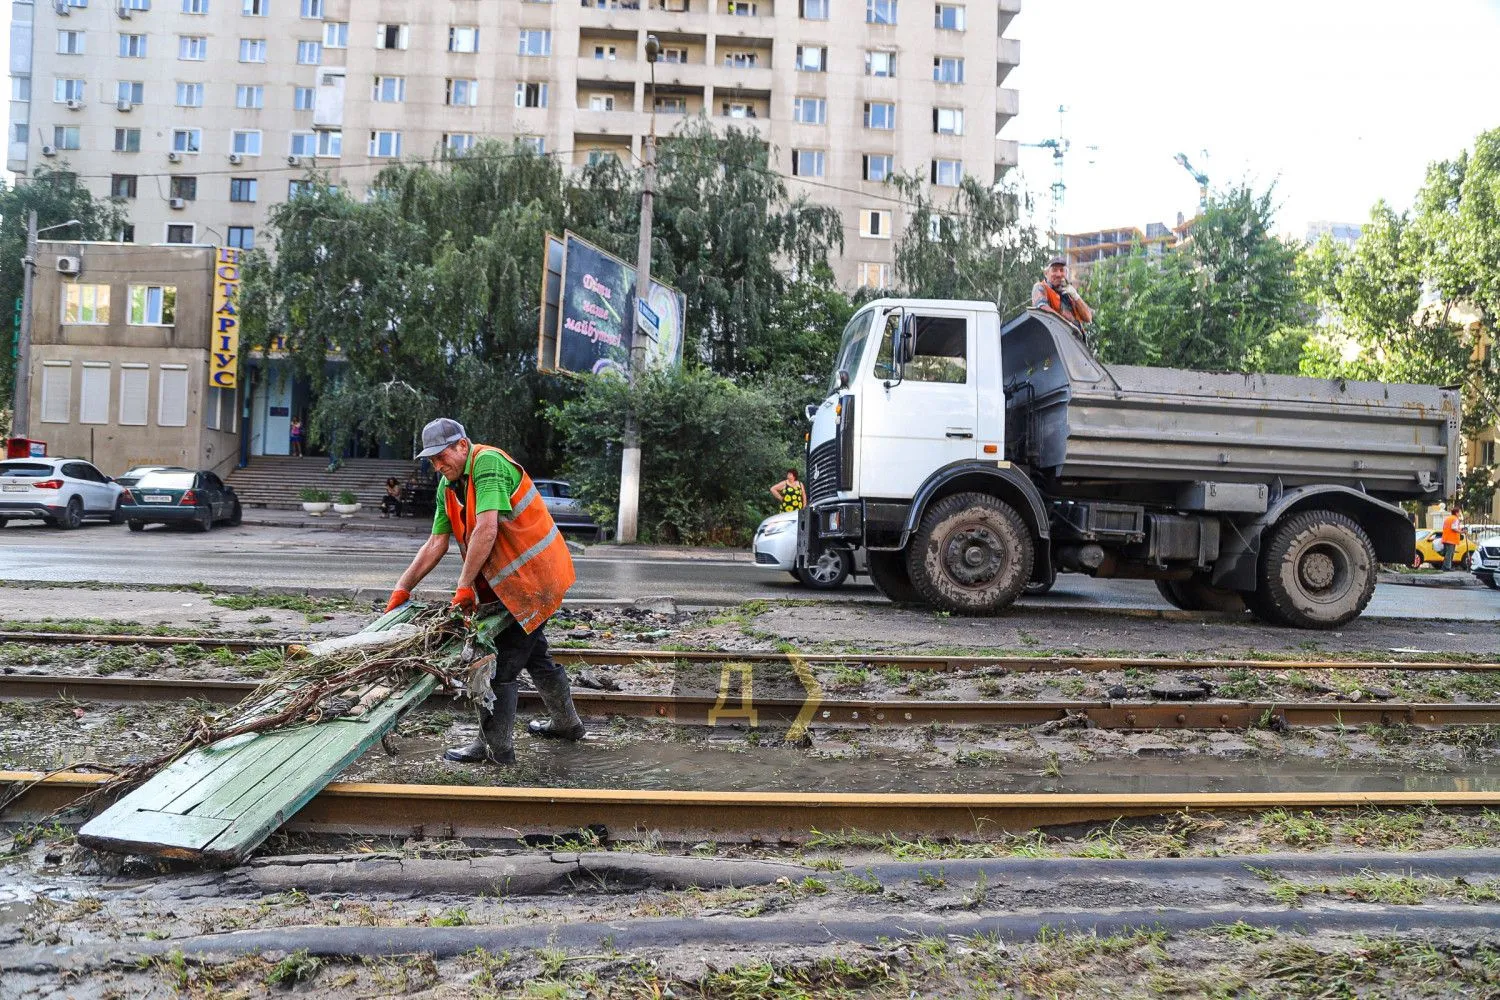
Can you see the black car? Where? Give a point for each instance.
(180, 496)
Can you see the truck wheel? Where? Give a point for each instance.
(972, 554)
(1318, 570)
(829, 572)
(888, 573)
(1197, 594)
(1261, 608)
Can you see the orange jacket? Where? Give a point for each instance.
(1076, 309)
(529, 569)
(1451, 533)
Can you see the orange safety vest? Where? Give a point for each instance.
(1055, 301)
(529, 568)
(1451, 534)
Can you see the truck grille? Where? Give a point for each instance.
(823, 471)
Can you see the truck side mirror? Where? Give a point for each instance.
(811, 411)
(905, 347)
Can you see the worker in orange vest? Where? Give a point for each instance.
(1056, 294)
(513, 555)
(1452, 535)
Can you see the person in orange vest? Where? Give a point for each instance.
(1453, 533)
(513, 555)
(1056, 294)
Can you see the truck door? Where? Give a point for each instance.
(920, 415)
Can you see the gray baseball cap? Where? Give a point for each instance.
(439, 434)
(1058, 259)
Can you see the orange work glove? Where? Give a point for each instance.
(398, 598)
(465, 599)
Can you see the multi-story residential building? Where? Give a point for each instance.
(1084, 250)
(200, 114)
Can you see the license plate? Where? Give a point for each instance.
(156, 498)
(9, 488)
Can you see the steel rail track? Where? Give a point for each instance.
(706, 709)
(449, 811)
(616, 657)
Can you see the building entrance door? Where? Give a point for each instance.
(272, 413)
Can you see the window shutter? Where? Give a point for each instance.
(171, 409)
(93, 402)
(135, 389)
(57, 392)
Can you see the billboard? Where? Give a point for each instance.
(589, 312)
(224, 356)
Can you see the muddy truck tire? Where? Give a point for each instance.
(1317, 571)
(972, 554)
(1197, 594)
(888, 573)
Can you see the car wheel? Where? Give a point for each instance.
(1417, 562)
(72, 515)
(1466, 561)
(135, 525)
(236, 515)
(1491, 581)
(205, 520)
(117, 516)
(829, 571)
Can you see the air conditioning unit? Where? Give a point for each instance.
(177, 203)
(174, 157)
(236, 159)
(124, 105)
(294, 161)
(49, 150)
(70, 265)
(123, 11)
(62, 8)
(75, 105)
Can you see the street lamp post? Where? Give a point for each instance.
(20, 420)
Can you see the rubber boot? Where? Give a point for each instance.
(497, 732)
(557, 695)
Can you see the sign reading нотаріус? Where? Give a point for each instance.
(224, 339)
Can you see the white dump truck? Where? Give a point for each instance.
(971, 458)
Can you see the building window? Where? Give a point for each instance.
(605, 53)
(336, 35)
(87, 305)
(20, 88)
(128, 140)
(539, 43)
(136, 4)
(242, 237)
(812, 58)
(463, 93)
(390, 36)
(947, 69)
(331, 143)
(68, 90)
(671, 105)
(304, 144)
(245, 142)
(250, 97)
(880, 64)
(57, 391)
(385, 143)
(601, 102)
(948, 17)
(458, 143)
(873, 275)
(738, 109)
(880, 11)
(875, 223)
(535, 143)
(195, 6)
(878, 166)
(809, 110)
(255, 8)
(125, 234)
(948, 121)
(309, 53)
(252, 50)
(190, 95)
(156, 305)
(465, 39)
(193, 48)
(93, 393)
(171, 398)
(741, 60)
(182, 186)
(187, 140)
(389, 89)
(135, 391)
(947, 173)
(742, 8)
(1486, 453)
(122, 185)
(312, 8)
(242, 188)
(938, 226)
(813, 10)
(70, 43)
(132, 46)
(130, 91)
(807, 163)
(534, 95)
(880, 114)
(65, 136)
(304, 99)
(673, 55)
(221, 412)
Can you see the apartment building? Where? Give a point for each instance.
(200, 114)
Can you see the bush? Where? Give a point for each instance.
(710, 450)
(347, 498)
(311, 494)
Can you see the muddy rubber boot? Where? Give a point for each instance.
(557, 695)
(495, 743)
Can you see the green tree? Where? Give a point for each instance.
(56, 195)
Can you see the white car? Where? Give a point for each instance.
(60, 491)
(775, 548)
(1485, 562)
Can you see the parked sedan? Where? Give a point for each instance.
(133, 475)
(1486, 561)
(775, 548)
(60, 491)
(565, 509)
(173, 496)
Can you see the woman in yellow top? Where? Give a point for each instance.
(789, 492)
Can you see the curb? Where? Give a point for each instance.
(1458, 579)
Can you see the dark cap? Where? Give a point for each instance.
(1058, 260)
(439, 434)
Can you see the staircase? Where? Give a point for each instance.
(275, 480)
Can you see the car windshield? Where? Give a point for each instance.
(167, 481)
(851, 346)
(29, 469)
(139, 471)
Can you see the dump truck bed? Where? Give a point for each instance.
(1078, 421)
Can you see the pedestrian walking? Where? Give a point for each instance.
(789, 492)
(1453, 533)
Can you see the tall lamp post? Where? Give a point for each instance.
(20, 420)
(627, 525)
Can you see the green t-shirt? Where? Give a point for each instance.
(495, 480)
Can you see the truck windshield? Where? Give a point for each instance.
(851, 346)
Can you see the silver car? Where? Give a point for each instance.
(775, 548)
(567, 513)
(60, 491)
(1485, 561)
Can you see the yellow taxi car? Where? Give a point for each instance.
(1430, 549)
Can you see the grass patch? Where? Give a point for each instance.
(285, 602)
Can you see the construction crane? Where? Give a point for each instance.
(1198, 176)
(1059, 146)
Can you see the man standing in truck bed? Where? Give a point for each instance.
(1056, 294)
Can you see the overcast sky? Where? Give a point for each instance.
(1341, 102)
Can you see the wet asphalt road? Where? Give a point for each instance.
(262, 556)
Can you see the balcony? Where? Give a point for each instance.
(760, 126)
(1009, 58)
(1007, 105)
(735, 78)
(609, 70)
(1007, 152)
(1005, 11)
(622, 124)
